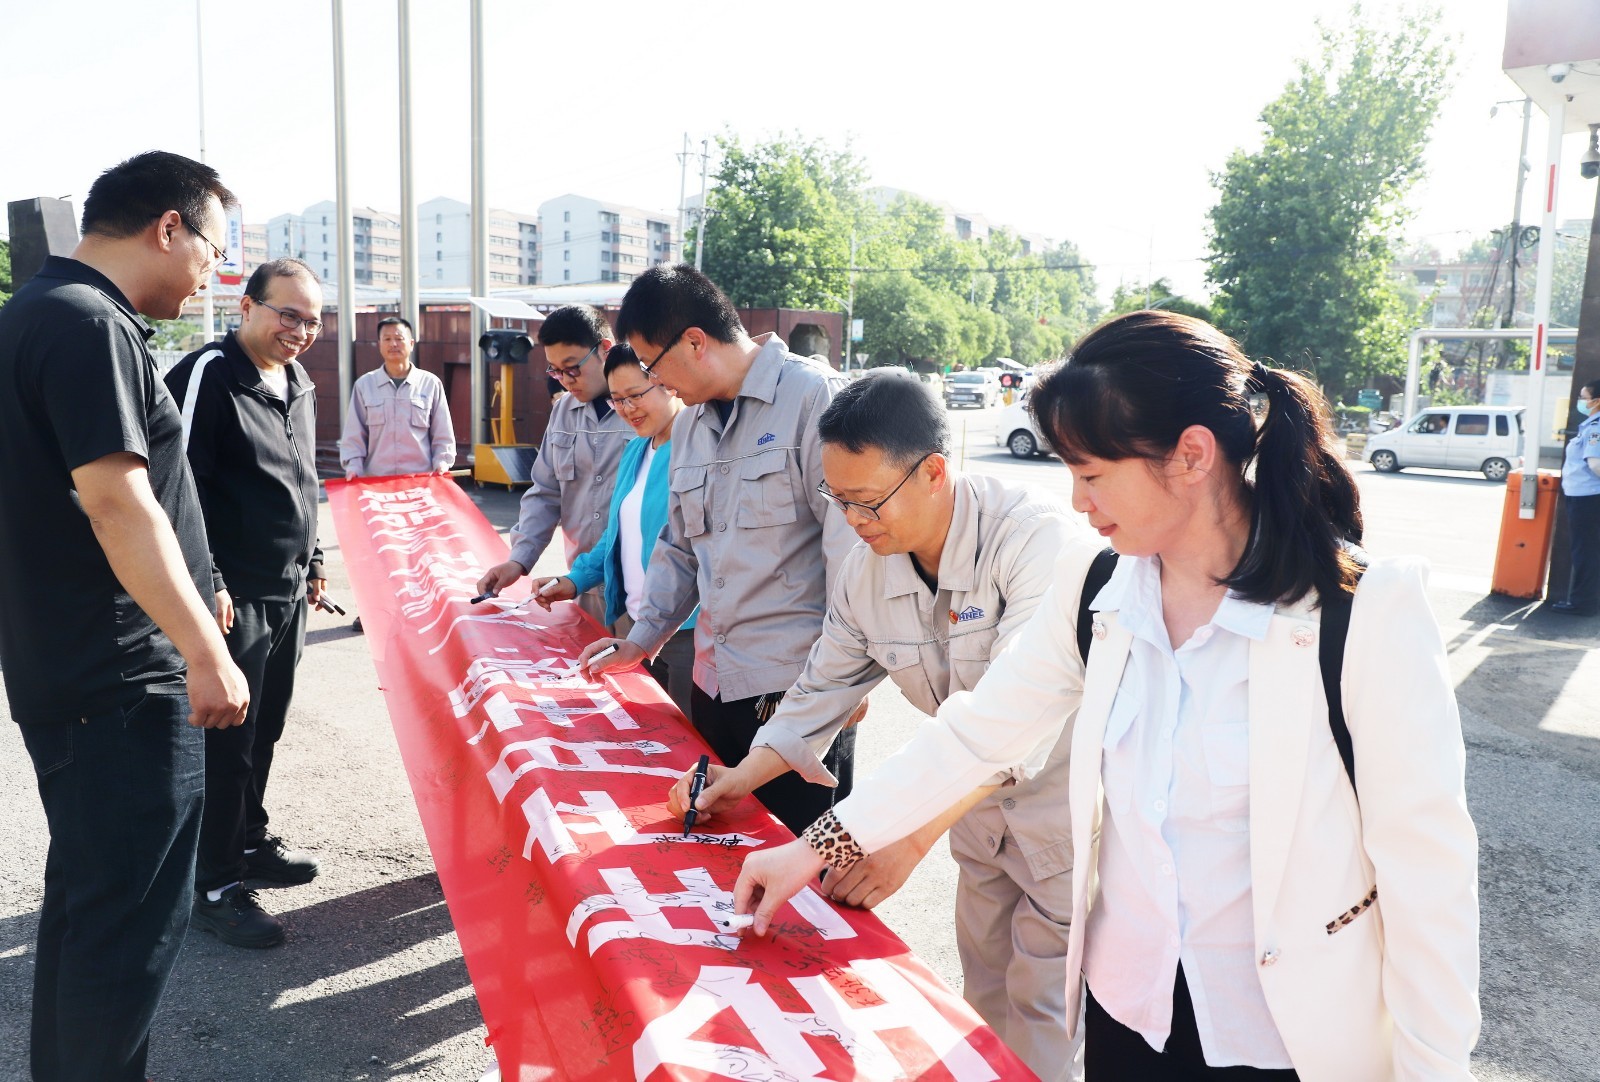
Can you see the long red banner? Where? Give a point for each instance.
(589, 926)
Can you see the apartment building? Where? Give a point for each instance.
(313, 235)
(591, 240)
(444, 245)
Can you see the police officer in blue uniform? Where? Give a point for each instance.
(1580, 484)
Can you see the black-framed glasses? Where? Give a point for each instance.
(571, 372)
(221, 256)
(649, 370)
(631, 400)
(289, 321)
(868, 510)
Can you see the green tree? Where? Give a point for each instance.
(5, 271)
(781, 213)
(1302, 229)
(174, 334)
(1135, 295)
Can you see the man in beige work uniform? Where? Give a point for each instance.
(748, 533)
(576, 467)
(952, 566)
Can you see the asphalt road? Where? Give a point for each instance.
(370, 984)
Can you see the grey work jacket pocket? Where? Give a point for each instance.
(688, 483)
(561, 449)
(767, 495)
(421, 414)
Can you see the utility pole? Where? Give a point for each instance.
(480, 225)
(208, 306)
(850, 306)
(346, 224)
(408, 191)
(1514, 243)
(683, 192)
(700, 233)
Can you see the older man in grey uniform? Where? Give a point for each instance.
(748, 534)
(575, 470)
(951, 568)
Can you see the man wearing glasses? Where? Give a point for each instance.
(748, 534)
(249, 425)
(950, 568)
(114, 665)
(576, 467)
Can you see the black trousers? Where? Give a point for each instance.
(121, 793)
(1583, 532)
(1114, 1053)
(265, 643)
(730, 726)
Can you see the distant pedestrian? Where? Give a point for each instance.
(398, 421)
(1580, 487)
(105, 602)
(250, 424)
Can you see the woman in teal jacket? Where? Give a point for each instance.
(638, 512)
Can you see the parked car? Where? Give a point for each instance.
(1483, 439)
(1017, 433)
(979, 389)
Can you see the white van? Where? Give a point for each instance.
(1483, 439)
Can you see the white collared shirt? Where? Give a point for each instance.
(1175, 844)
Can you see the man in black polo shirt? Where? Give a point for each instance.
(250, 428)
(105, 599)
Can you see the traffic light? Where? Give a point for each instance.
(504, 346)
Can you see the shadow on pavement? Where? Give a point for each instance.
(309, 1011)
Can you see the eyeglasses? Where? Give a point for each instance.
(632, 400)
(572, 371)
(221, 257)
(868, 511)
(649, 370)
(289, 321)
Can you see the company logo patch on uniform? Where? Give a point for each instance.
(764, 440)
(971, 612)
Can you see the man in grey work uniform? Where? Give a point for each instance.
(952, 567)
(748, 535)
(398, 421)
(577, 463)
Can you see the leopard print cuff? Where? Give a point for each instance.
(833, 842)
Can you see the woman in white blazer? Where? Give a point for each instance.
(1243, 907)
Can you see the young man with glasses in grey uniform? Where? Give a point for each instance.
(748, 535)
(576, 467)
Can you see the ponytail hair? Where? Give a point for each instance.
(1135, 383)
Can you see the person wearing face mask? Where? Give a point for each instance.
(249, 424)
(638, 512)
(1580, 485)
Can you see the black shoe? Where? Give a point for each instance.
(237, 918)
(356, 626)
(1567, 608)
(275, 862)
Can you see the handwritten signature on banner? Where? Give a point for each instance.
(589, 924)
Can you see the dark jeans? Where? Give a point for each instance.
(265, 643)
(1114, 1053)
(1583, 532)
(729, 727)
(122, 794)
